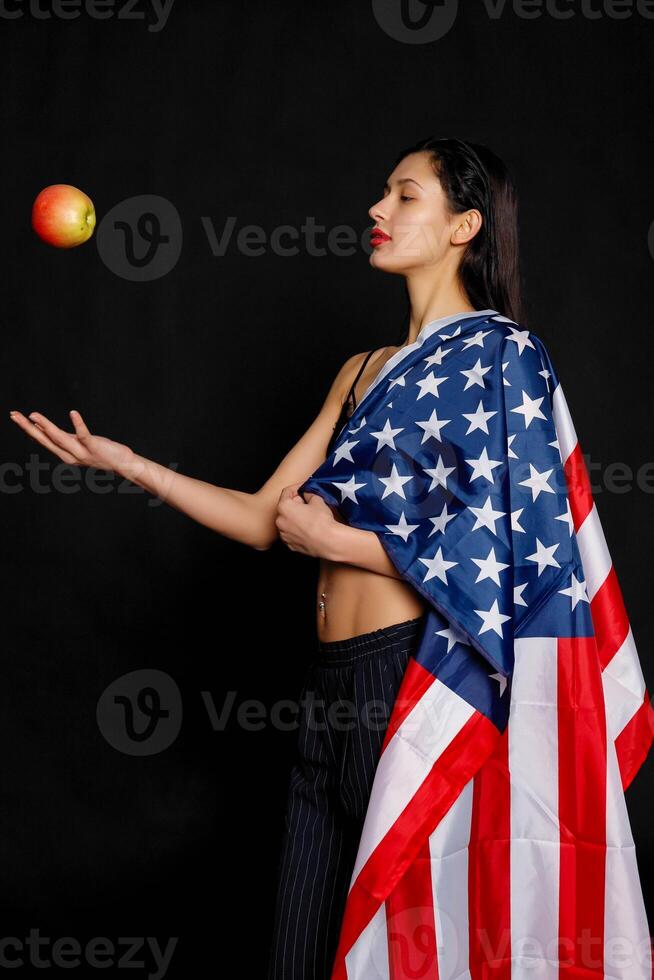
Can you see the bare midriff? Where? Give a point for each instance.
(353, 600)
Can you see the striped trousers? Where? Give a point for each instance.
(345, 706)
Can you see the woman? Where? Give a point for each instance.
(446, 221)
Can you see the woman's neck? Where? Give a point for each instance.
(431, 302)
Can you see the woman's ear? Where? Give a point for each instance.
(467, 226)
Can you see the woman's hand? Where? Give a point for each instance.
(79, 447)
(317, 530)
(305, 527)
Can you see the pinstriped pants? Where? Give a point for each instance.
(345, 705)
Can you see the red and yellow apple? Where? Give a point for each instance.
(63, 216)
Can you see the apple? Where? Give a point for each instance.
(63, 216)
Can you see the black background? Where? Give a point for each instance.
(271, 114)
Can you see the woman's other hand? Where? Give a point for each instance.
(305, 527)
(80, 447)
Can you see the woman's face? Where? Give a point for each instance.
(413, 212)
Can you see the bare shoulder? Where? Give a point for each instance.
(351, 367)
(309, 451)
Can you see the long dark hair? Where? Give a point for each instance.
(472, 176)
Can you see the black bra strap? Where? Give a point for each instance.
(359, 373)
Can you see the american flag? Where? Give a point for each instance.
(497, 841)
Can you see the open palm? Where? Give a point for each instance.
(80, 446)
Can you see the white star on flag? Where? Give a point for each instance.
(483, 466)
(475, 375)
(449, 336)
(515, 520)
(537, 482)
(576, 590)
(386, 436)
(402, 528)
(489, 567)
(544, 555)
(492, 619)
(437, 566)
(394, 483)
(521, 338)
(477, 338)
(439, 474)
(343, 451)
(452, 635)
(530, 408)
(478, 419)
(432, 426)
(437, 357)
(517, 594)
(348, 489)
(429, 385)
(441, 522)
(397, 381)
(567, 517)
(486, 516)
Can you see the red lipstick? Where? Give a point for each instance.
(378, 237)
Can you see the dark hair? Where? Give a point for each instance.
(472, 176)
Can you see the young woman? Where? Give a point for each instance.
(446, 222)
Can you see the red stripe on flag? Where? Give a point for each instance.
(410, 923)
(579, 490)
(611, 626)
(634, 741)
(455, 766)
(609, 616)
(582, 807)
(489, 868)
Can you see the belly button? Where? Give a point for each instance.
(321, 604)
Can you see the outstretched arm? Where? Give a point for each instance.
(236, 514)
(242, 516)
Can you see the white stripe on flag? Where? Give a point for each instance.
(623, 680)
(448, 846)
(565, 430)
(624, 686)
(533, 764)
(594, 552)
(627, 951)
(368, 958)
(433, 722)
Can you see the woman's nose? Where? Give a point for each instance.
(375, 212)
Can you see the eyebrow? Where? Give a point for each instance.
(404, 180)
